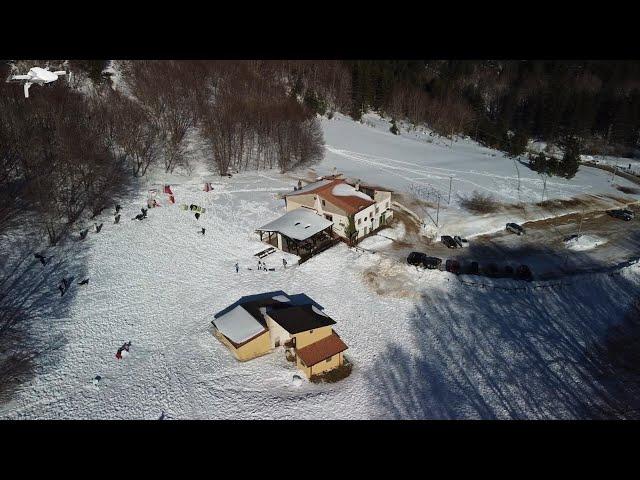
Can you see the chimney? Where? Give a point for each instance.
(357, 186)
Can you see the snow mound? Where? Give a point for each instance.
(397, 232)
(375, 241)
(345, 190)
(584, 242)
(297, 381)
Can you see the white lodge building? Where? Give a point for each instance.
(336, 200)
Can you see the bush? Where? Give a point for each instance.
(394, 128)
(479, 203)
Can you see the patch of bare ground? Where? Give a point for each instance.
(562, 204)
(387, 278)
(628, 190)
(618, 199)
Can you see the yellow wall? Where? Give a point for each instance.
(321, 366)
(298, 201)
(305, 338)
(256, 347)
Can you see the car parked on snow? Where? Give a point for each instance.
(420, 259)
(625, 215)
(523, 272)
(416, 259)
(515, 228)
(452, 266)
(491, 270)
(629, 212)
(474, 268)
(448, 241)
(508, 271)
(462, 242)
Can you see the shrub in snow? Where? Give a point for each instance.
(479, 203)
(394, 128)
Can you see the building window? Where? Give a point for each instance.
(359, 221)
(376, 209)
(323, 204)
(329, 359)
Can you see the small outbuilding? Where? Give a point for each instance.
(257, 325)
(301, 232)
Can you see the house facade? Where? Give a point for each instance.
(336, 200)
(255, 326)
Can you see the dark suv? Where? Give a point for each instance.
(449, 241)
(420, 259)
(625, 215)
(515, 228)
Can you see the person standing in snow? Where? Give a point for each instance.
(237, 267)
(202, 231)
(284, 263)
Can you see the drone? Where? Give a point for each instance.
(39, 76)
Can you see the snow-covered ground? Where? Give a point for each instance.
(423, 344)
(584, 242)
(419, 157)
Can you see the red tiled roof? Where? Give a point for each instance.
(321, 350)
(350, 204)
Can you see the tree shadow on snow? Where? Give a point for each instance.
(480, 353)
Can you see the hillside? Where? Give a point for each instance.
(423, 344)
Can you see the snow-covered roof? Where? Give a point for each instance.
(238, 325)
(311, 187)
(298, 224)
(346, 190)
(281, 298)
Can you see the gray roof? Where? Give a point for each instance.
(298, 224)
(238, 325)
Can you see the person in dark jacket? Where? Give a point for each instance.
(202, 231)
(237, 267)
(98, 227)
(116, 219)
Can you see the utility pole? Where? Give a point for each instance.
(451, 145)
(450, 182)
(580, 226)
(544, 186)
(438, 211)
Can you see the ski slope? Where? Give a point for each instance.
(423, 344)
(419, 157)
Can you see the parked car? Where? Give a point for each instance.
(420, 259)
(515, 228)
(462, 242)
(474, 268)
(416, 258)
(448, 241)
(523, 272)
(629, 212)
(625, 215)
(452, 266)
(432, 263)
(492, 270)
(508, 271)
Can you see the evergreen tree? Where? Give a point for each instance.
(394, 128)
(571, 158)
(350, 230)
